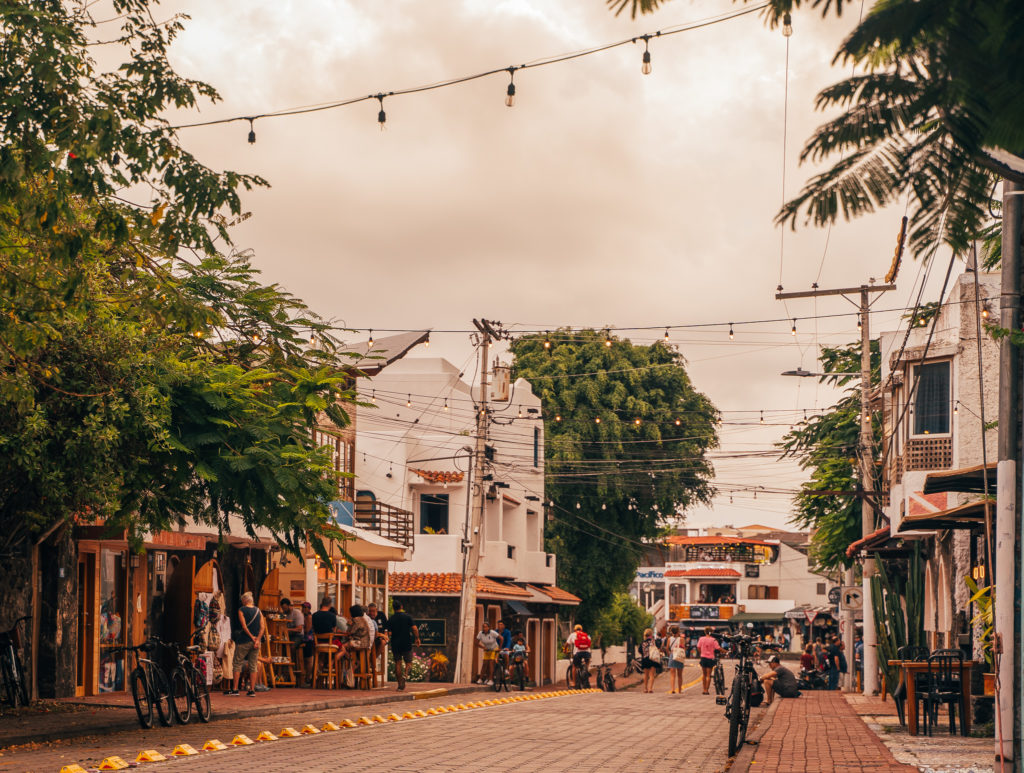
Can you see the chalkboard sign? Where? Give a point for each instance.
(432, 632)
(753, 570)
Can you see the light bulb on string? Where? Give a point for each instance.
(793, 329)
(956, 408)
(577, 505)
(604, 506)
(597, 420)
(645, 66)
(679, 422)
(860, 322)
(636, 422)
(732, 335)
(984, 311)
(408, 403)
(666, 335)
(426, 343)
(762, 417)
(381, 115)
(547, 339)
(520, 412)
(787, 25)
(510, 92)
(607, 339)
(252, 133)
(370, 342)
(558, 417)
(446, 404)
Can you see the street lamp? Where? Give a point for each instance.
(868, 567)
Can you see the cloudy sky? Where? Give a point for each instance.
(603, 198)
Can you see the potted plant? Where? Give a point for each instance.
(982, 599)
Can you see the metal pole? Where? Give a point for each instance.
(467, 613)
(1006, 473)
(867, 457)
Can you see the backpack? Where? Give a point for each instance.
(200, 614)
(582, 640)
(756, 693)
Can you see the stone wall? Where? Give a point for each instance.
(438, 608)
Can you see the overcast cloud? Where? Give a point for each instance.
(603, 197)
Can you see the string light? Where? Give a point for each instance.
(558, 417)
(370, 342)
(597, 420)
(252, 133)
(547, 339)
(381, 116)
(860, 322)
(520, 411)
(787, 25)
(607, 339)
(762, 417)
(577, 505)
(645, 67)
(510, 92)
(408, 403)
(956, 408)
(679, 422)
(732, 335)
(984, 311)
(604, 506)
(636, 422)
(446, 404)
(666, 335)
(793, 330)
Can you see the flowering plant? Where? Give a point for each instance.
(416, 671)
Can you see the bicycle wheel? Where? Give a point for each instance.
(201, 695)
(719, 678)
(19, 680)
(141, 698)
(570, 678)
(181, 696)
(162, 698)
(520, 677)
(7, 675)
(609, 681)
(737, 727)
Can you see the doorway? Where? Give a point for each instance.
(86, 673)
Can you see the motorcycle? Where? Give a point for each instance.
(811, 680)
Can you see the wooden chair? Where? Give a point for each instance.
(363, 669)
(899, 695)
(323, 663)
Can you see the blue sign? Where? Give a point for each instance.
(343, 512)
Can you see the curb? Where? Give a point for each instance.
(743, 759)
(129, 723)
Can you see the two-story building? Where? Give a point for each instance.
(415, 452)
(936, 396)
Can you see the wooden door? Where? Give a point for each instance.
(177, 623)
(548, 647)
(87, 676)
(536, 655)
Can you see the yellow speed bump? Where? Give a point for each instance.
(113, 763)
(462, 707)
(213, 745)
(408, 715)
(73, 768)
(394, 718)
(347, 723)
(364, 721)
(242, 740)
(183, 750)
(150, 755)
(266, 735)
(329, 726)
(379, 719)
(442, 710)
(420, 713)
(452, 708)
(310, 730)
(289, 732)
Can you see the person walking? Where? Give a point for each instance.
(707, 648)
(832, 653)
(404, 633)
(676, 648)
(650, 660)
(490, 642)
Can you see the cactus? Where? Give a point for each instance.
(899, 612)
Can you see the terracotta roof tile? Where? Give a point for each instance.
(449, 584)
(709, 572)
(558, 595)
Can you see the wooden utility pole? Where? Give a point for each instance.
(471, 543)
(867, 485)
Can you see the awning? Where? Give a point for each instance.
(519, 608)
(799, 613)
(757, 617)
(874, 539)
(369, 546)
(969, 480)
(965, 516)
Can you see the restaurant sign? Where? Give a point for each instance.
(704, 612)
(432, 632)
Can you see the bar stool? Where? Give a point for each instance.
(323, 664)
(363, 670)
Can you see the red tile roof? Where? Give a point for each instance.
(558, 595)
(874, 538)
(721, 541)
(709, 572)
(449, 584)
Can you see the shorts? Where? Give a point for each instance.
(405, 655)
(245, 654)
(646, 663)
(490, 655)
(673, 663)
(580, 656)
(790, 693)
(707, 662)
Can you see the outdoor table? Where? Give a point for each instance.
(911, 669)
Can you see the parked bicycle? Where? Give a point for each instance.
(718, 679)
(632, 665)
(150, 689)
(500, 677)
(746, 689)
(188, 685)
(605, 680)
(11, 670)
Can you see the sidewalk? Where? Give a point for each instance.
(819, 732)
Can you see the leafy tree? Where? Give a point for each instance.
(626, 442)
(622, 618)
(935, 95)
(147, 375)
(827, 445)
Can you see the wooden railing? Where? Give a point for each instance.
(390, 522)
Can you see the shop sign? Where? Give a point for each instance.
(432, 632)
(650, 574)
(704, 612)
(753, 570)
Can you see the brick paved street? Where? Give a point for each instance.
(622, 731)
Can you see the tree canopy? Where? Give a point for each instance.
(147, 374)
(626, 443)
(827, 445)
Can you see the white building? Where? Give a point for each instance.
(414, 452)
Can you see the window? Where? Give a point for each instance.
(931, 407)
(763, 592)
(433, 513)
(822, 589)
(368, 586)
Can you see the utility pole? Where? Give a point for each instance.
(866, 443)
(1007, 586)
(472, 542)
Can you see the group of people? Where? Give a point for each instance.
(827, 656)
(495, 642)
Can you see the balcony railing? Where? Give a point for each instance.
(390, 522)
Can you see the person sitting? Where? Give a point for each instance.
(779, 681)
(358, 635)
(295, 623)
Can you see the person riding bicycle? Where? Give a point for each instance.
(520, 652)
(579, 640)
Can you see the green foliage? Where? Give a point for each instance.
(145, 378)
(827, 446)
(621, 619)
(983, 602)
(898, 604)
(614, 481)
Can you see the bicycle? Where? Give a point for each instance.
(11, 670)
(500, 675)
(578, 678)
(518, 670)
(605, 680)
(718, 678)
(745, 684)
(149, 686)
(188, 685)
(632, 665)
